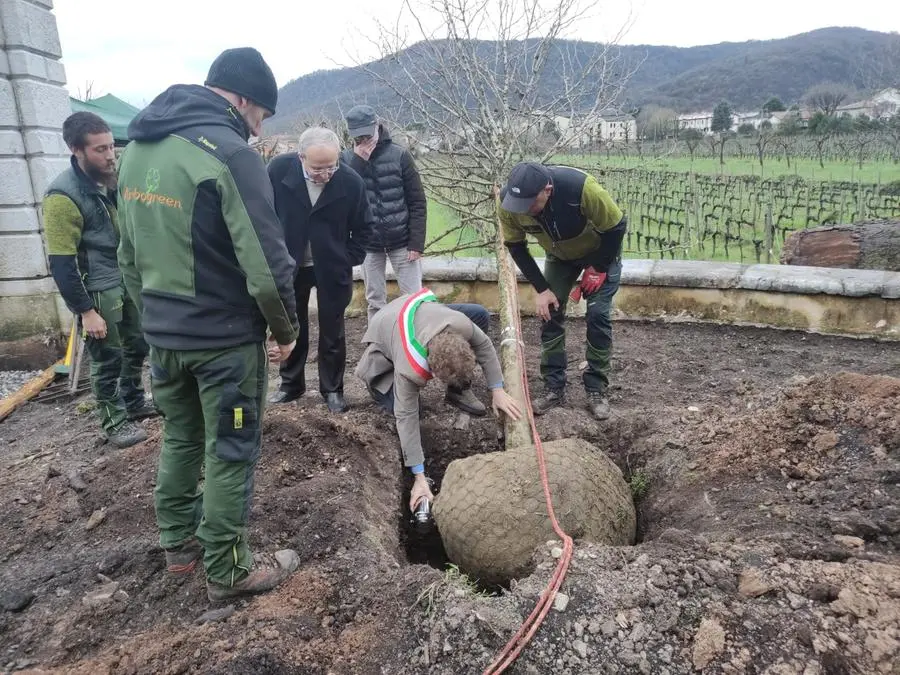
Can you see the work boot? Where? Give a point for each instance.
(267, 572)
(143, 410)
(552, 398)
(598, 405)
(336, 403)
(280, 396)
(126, 435)
(183, 559)
(465, 400)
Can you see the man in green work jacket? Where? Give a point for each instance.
(204, 258)
(82, 236)
(581, 229)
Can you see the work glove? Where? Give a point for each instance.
(591, 281)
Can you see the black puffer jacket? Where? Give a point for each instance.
(395, 194)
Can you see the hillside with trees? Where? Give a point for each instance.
(746, 74)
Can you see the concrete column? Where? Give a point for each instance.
(33, 106)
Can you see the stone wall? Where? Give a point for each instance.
(817, 299)
(33, 105)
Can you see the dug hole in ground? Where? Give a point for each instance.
(763, 465)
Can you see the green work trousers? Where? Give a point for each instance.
(212, 405)
(562, 275)
(117, 359)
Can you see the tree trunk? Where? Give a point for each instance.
(517, 434)
(873, 245)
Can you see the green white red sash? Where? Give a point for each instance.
(416, 354)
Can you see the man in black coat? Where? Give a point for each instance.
(323, 208)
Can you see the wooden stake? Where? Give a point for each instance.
(29, 390)
(517, 433)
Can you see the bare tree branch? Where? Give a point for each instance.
(489, 83)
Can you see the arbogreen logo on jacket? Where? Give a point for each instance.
(150, 195)
(152, 180)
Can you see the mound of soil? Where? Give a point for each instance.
(761, 548)
(771, 534)
(809, 462)
(492, 513)
(679, 605)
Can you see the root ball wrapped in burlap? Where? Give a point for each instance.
(492, 514)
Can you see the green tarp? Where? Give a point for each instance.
(114, 111)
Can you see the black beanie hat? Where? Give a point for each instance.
(243, 71)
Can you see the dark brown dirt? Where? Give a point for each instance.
(33, 353)
(751, 439)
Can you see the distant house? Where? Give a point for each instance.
(884, 104)
(777, 118)
(754, 119)
(802, 117)
(606, 127)
(114, 111)
(701, 121)
(617, 128)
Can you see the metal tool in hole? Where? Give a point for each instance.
(422, 518)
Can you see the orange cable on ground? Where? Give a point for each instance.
(530, 626)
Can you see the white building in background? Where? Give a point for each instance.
(618, 128)
(754, 119)
(607, 127)
(701, 121)
(777, 118)
(884, 104)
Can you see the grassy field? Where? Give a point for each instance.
(442, 219)
(746, 247)
(809, 169)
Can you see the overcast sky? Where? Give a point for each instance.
(136, 49)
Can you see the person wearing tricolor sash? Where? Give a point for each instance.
(414, 339)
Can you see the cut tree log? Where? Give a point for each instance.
(871, 245)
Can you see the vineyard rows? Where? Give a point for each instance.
(736, 218)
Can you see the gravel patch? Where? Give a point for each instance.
(11, 380)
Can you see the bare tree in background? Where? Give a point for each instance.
(761, 141)
(268, 147)
(655, 122)
(494, 83)
(826, 97)
(692, 139)
(88, 92)
(336, 124)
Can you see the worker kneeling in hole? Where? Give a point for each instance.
(413, 339)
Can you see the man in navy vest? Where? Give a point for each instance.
(80, 221)
(398, 204)
(577, 223)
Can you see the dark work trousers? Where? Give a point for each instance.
(332, 341)
(476, 314)
(562, 275)
(117, 359)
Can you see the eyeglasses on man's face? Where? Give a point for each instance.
(321, 170)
